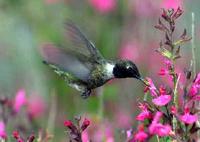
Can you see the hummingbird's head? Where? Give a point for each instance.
(126, 68)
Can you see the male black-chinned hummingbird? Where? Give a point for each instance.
(83, 67)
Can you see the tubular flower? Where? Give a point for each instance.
(187, 117)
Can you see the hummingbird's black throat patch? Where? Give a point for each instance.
(125, 69)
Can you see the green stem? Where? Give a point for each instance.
(175, 91)
(145, 97)
(158, 139)
(197, 104)
(193, 46)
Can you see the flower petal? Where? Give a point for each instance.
(162, 100)
(188, 118)
(160, 129)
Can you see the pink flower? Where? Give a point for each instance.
(188, 118)
(85, 136)
(105, 132)
(148, 8)
(35, 106)
(162, 90)
(129, 51)
(109, 139)
(167, 4)
(152, 87)
(141, 136)
(157, 117)
(160, 129)
(193, 90)
(197, 80)
(85, 124)
(3, 134)
(68, 123)
(20, 100)
(195, 86)
(144, 114)
(109, 134)
(123, 119)
(168, 63)
(173, 110)
(15, 135)
(129, 133)
(163, 72)
(162, 100)
(103, 6)
(195, 98)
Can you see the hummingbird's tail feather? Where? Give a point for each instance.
(65, 61)
(69, 79)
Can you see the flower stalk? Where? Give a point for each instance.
(169, 120)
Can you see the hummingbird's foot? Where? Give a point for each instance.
(86, 94)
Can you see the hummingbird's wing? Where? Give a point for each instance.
(66, 61)
(80, 40)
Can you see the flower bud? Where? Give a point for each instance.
(85, 124)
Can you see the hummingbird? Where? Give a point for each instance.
(83, 67)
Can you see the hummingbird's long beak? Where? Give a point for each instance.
(144, 81)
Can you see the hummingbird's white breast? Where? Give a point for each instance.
(109, 70)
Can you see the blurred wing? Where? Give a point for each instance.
(66, 61)
(80, 40)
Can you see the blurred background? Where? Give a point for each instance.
(119, 29)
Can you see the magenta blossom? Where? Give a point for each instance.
(167, 4)
(35, 106)
(160, 129)
(156, 128)
(106, 135)
(195, 86)
(188, 118)
(129, 51)
(197, 80)
(103, 6)
(173, 110)
(148, 8)
(85, 136)
(141, 136)
(151, 87)
(193, 90)
(168, 63)
(129, 133)
(20, 100)
(162, 100)
(163, 72)
(157, 117)
(123, 119)
(3, 134)
(144, 114)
